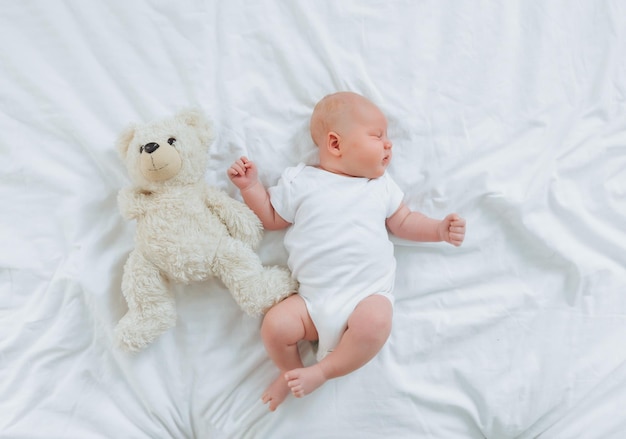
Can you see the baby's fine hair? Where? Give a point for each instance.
(329, 110)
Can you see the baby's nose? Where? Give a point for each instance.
(388, 144)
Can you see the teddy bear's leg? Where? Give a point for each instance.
(254, 287)
(151, 306)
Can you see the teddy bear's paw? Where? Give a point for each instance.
(245, 225)
(250, 234)
(128, 341)
(271, 286)
(130, 337)
(133, 333)
(279, 279)
(241, 222)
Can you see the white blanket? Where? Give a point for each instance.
(512, 114)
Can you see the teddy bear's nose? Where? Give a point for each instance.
(151, 147)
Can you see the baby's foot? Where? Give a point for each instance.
(305, 380)
(275, 393)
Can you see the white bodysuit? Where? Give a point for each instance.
(339, 248)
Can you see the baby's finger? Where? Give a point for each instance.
(245, 162)
(458, 222)
(240, 168)
(456, 238)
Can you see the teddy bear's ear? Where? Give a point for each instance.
(124, 139)
(197, 119)
(191, 117)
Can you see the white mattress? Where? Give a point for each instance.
(511, 113)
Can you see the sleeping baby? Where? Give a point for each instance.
(338, 215)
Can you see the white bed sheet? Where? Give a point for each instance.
(511, 113)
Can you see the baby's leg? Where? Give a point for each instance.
(369, 326)
(284, 325)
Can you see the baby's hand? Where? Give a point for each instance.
(452, 229)
(243, 173)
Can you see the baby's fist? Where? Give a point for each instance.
(243, 173)
(452, 229)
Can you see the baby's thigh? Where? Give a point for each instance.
(372, 315)
(291, 316)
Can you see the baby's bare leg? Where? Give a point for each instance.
(369, 326)
(284, 325)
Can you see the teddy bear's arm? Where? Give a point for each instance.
(241, 222)
(131, 203)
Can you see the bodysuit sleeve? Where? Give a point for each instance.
(283, 194)
(394, 195)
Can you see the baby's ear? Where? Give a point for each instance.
(124, 139)
(333, 143)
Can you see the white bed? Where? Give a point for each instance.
(512, 114)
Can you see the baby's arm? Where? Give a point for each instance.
(243, 173)
(418, 227)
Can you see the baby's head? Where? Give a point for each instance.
(351, 134)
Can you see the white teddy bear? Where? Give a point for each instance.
(186, 231)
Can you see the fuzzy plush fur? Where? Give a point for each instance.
(186, 230)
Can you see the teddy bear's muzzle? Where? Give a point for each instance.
(159, 162)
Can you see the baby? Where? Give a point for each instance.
(338, 214)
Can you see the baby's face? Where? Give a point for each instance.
(365, 148)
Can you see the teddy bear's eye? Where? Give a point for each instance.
(171, 140)
(140, 149)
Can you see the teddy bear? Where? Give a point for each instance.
(186, 231)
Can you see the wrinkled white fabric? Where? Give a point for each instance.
(511, 113)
